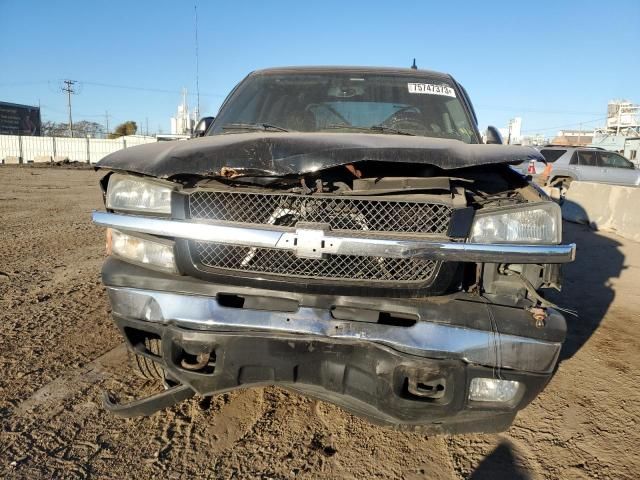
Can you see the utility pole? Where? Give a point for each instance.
(146, 124)
(69, 89)
(579, 133)
(106, 117)
(619, 119)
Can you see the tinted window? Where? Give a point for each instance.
(347, 102)
(574, 159)
(552, 155)
(613, 160)
(587, 158)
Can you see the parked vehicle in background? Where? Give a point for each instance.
(562, 165)
(343, 233)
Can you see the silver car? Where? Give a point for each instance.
(587, 164)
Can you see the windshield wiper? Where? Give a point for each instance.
(265, 127)
(373, 128)
(385, 129)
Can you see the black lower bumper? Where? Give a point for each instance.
(385, 386)
(412, 374)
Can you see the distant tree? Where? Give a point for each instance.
(83, 128)
(55, 129)
(126, 128)
(88, 129)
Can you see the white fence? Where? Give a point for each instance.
(19, 149)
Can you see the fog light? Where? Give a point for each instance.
(493, 390)
(143, 250)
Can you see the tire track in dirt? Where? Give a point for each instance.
(68, 385)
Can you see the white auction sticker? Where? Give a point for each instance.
(432, 89)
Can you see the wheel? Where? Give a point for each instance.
(145, 368)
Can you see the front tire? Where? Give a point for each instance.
(144, 367)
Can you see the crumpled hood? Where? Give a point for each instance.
(291, 153)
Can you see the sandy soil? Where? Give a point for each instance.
(59, 350)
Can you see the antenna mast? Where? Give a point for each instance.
(195, 8)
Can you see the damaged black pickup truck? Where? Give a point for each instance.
(343, 233)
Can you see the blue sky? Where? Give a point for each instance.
(555, 63)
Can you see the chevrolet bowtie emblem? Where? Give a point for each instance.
(310, 240)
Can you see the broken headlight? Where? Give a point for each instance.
(537, 223)
(135, 194)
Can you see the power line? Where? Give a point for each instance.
(110, 85)
(93, 115)
(144, 89)
(531, 110)
(20, 84)
(564, 126)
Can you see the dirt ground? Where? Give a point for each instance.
(59, 351)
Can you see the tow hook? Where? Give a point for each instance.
(201, 361)
(539, 315)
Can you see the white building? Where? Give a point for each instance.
(184, 122)
(513, 133)
(623, 117)
(536, 140)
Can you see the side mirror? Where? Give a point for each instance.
(202, 126)
(493, 136)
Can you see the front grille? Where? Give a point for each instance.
(283, 262)
(340, 213)
(355, 215)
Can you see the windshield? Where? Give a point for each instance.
(347, 102)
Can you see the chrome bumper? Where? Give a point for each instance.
(315, 242)
(424, 339)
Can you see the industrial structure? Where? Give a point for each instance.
(621, 132)
(184, 121)
(622, 127)
(512, 134)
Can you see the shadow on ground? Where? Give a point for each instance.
(502, 463)
(587, 288)
(587, 284)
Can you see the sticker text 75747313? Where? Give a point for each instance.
(432, 89)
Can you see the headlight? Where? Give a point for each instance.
(538, 223)
(138, 195)
(493, 390)
(156, 253)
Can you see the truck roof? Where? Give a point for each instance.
(349, 69)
